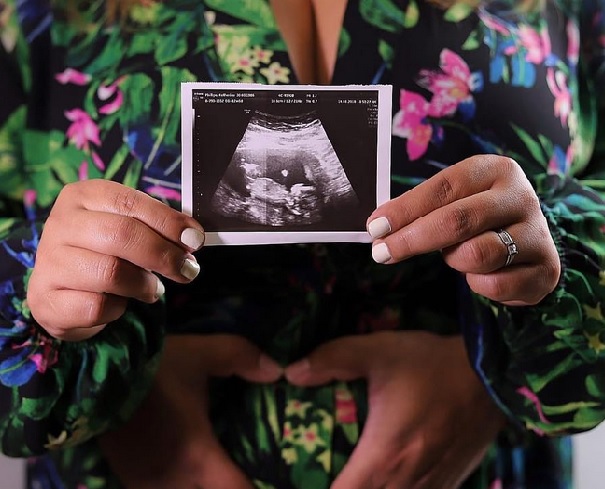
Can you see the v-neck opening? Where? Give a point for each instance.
(334, 47)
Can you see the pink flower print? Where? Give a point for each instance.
(452, 87)
(262, 55)
(528, 394)
(29, 199)
(69, 75)
(573, 42)
(83, 171)
(98, 162)
(410, 123)
(105, 92)
(557, 82)
(493, 23)
(245, 62)
(82, 130)
(44, 360)
(537, 45)
(40, 352)
(276, 73)
(496, 484)
(164, 193)
(346, 409)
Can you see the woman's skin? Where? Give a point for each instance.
(430, 419)
(311, 29)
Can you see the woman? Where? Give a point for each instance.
(257, 368)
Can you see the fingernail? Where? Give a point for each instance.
(381, 253)
(193, 238)
(379, 227)
(299, 368)
(160, 290)
(190, 269)
(269, 365)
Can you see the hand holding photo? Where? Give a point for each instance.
(286, 164)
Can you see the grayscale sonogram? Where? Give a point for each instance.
(284, 164)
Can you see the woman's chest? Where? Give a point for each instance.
(464, 83)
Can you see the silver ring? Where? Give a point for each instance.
(511, 246)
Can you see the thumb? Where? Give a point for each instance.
(342, 359)
(228, 355)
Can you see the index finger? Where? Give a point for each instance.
(115, 198)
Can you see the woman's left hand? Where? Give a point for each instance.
(461, 212)
(430, 419)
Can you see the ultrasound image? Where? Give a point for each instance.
(284, 171)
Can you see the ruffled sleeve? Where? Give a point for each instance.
(53, 394)
(545, 365)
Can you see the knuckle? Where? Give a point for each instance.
(126, 200)
(460, 221)
(167, 261)
(69, 193)
(550, 277)
(124, 233)
(494, 288)
(402, 244)
(444, 192)
(94, 309)
(476, 254)
(529, 200)
(108, 270)
(510, 167)
(70, 190)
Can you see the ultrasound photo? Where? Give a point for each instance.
(284, 164)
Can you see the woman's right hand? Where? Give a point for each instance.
(102, 245)
(169, 442)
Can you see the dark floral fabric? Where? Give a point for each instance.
(83, 98)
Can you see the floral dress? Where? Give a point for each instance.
(85, 98)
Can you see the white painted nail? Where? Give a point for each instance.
(379, 227)
(160, 290)
(190, 269)
(381, 253)
(193, 238)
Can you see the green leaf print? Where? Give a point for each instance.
(385, 15)
(36, 408)
(133, 174)
(537, 382)
(119, 158)
(250, 11)
(5, 226)
(236, 34)
(173, 46)
(411, 15)
(170, 101)
(10, 154)
(533, 146)
(458, 12)
(104, 64)
(472, 42)
(48, 172)
(143, 43)
(594, 386)
(138, 98)
(567, 408)
(387, 53)
(344, 42)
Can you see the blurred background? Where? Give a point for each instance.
(589, 463)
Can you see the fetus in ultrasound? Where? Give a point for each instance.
(284, 172)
